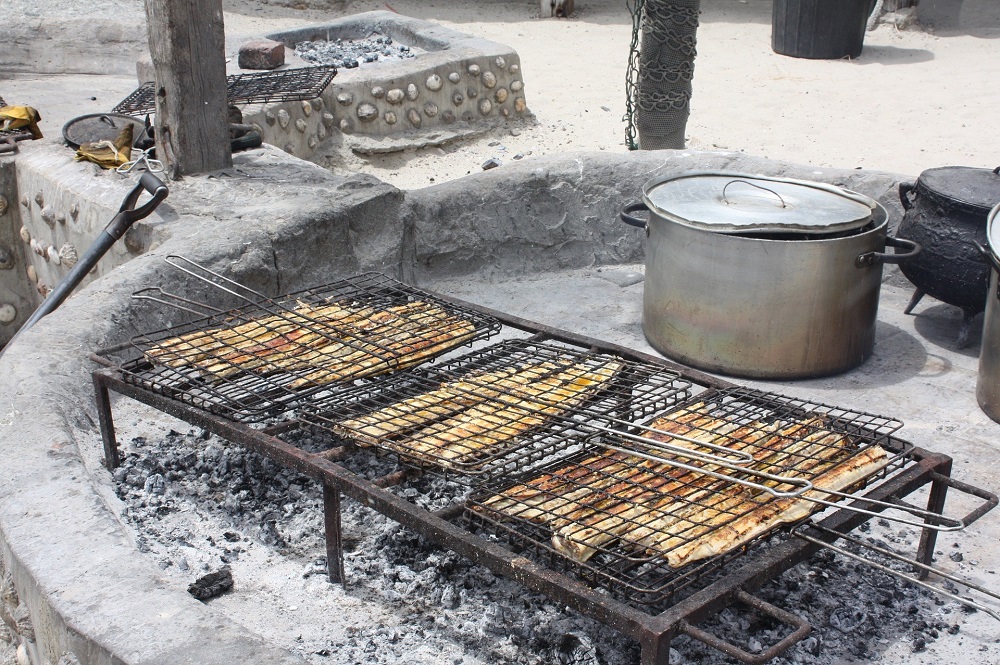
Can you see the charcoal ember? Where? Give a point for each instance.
(848, 619)
(155, 484)
(350, 53)
(211, 585)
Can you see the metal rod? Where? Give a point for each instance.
(896, 573)
(956, 524)
(169, 298)
(334, 535)
(928, 537)
(745, 458)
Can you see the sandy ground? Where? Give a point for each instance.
(913, 100)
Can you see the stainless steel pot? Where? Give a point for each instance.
(777, 280)
(988, 380)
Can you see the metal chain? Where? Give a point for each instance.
(632, 75)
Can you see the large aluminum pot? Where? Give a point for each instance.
(763, 300)
(988, 381)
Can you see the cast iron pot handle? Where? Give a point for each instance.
(801, 626)
(874, 258)
(626, 216)
(904, 194)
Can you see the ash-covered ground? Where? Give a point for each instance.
(351, 53)
(199, 503)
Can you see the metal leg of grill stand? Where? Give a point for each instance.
(655, 650)
(334, 543)
(103, 398)
(928, 537)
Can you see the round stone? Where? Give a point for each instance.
(390, 117)
(49, 216)
(474, 69)
(312, 142)
(514, 68)
(454, 77)
(307, 108)
(7, 313)
(328, 120)
(457, 99)
(500, 62)
(32, 274)
(25, 234)
(519, 105)
(378, 92)
(471, 93)
(321, 132)
(283, 118)
(448, 116)
(485, 106)
(269, 118)
(345, 125)
(3, 204)
(25, 201)
(430, 109)
(395, 96)
(345, 99)
(411, 92)
(489, 79)
(367, 112)
(434, 82)
(516, 86)
(61, 218)
(414, 117)
(300, 125)
(317, 104)
(40, 200)
(500, 95)
(68, 255)
(74, 211)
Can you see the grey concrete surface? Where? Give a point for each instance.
(279, 224)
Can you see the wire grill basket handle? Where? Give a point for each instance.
(801, 626)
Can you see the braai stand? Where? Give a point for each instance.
(654, 631)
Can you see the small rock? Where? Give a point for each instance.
(518, 156)
(491, 163)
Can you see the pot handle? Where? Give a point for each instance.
(875, 258)
(626, 215)
(904, 194)
(987, 254)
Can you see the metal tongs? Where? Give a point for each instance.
(142, 162)
(932, 520)
(798, 532)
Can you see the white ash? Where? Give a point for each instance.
(199, 503)
(351, 53)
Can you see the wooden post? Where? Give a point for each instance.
(187, 45)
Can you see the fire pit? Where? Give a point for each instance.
(375, 232)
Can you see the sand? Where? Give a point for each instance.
(914, 99)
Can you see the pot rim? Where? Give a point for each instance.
(851, 226)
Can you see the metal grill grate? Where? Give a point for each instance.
(258, 88)
(645, 523)
(472, 414)
(258, 361)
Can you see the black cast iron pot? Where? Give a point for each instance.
(946, 211)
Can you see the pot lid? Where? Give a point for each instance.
(95, 127)
(738, 203)
(973, 189)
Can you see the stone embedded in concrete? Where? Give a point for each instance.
(454, 77)
(500, 95)
(345, 98)
(434, 83)
(261, 54)
(283, 118)
(412, 92)
(485, 106)
(395, 96)
(301, 125)
(430, 109)
(367, 112)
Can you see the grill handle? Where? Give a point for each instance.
(895, 573)
(627, 217)
(802, 628)
(991, 499)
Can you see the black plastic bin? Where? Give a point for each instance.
(819, 29)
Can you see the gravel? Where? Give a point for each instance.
(200, 504)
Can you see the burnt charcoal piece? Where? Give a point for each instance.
(212, 585)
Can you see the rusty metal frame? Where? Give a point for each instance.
(654, 632)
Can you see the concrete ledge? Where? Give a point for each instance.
(276, 224)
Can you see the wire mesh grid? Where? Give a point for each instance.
(498, 409)
(283, 85)
(258, 361)
(645, 528)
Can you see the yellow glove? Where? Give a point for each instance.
(16, 117)
(106, 154)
